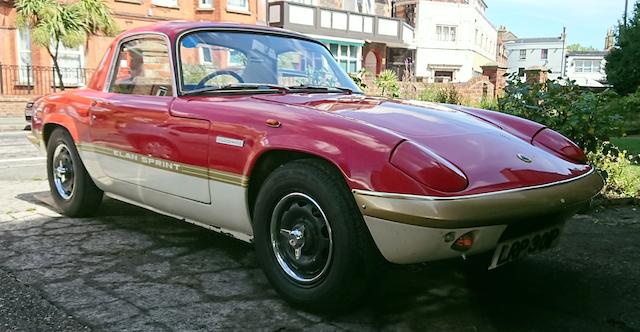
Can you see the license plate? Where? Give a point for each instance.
(512, 250)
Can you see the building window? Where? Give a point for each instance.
(520, 72)
(165, 3)
(348, 56)
(587, 66)
(443, 76)
(71, 62)
(446, 33)
(205, 56)
(242, 5)
(544, 54)
(23, 46)
(205, 4)
(236, 59)
(523, 54)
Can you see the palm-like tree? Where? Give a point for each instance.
(68, 24)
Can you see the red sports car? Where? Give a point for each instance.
(259, 134)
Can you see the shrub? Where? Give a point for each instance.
(622, 179)
(630, 109)
(583, 116)
(387, 82)
(358, 78)
(487, 104)
(447, 94)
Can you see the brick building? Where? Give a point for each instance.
(24, 66)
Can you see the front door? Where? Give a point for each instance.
(133, 134)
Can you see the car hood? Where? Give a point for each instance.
(486, 154)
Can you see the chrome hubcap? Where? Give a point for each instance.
(63, 175)
(301, 238)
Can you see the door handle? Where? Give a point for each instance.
(100, 101)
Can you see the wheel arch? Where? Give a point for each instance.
(54, 121)
(269, 161)
(48, 128)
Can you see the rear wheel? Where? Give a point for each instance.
(71, 187)
(311, 240)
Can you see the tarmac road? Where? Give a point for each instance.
(131, 269)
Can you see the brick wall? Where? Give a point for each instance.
(13, 106)
(471, 92)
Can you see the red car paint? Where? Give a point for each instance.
(357, 134)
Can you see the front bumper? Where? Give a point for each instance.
(410, 228)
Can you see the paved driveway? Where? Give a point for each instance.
(130, 269)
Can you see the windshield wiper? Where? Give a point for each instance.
(320, 88)
(239, 87)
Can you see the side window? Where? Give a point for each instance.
(143, 68)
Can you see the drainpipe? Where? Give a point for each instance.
(564, 41)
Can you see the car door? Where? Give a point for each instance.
(134, 135)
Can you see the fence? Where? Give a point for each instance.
(39, 80)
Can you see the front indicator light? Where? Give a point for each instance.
(463, 243)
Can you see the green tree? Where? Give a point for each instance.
(580, 48)
(54, 24)
(623, 65)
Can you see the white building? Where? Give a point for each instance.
(587, 68)
(358, 33)
(454, 39)
(536, 53)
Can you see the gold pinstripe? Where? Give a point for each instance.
(176, 167)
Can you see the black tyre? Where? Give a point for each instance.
(310, 238)
(71, 186)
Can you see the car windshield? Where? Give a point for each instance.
(232, 61)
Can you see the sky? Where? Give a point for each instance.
(587, 21)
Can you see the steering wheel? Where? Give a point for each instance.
(218, 73)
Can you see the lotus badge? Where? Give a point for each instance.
(524, 158)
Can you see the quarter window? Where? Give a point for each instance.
(143, 68)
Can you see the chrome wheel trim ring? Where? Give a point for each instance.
(279, 243)
(63, 172)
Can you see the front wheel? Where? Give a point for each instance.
(311, 240)
(71, 187)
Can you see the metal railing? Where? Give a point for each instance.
(39, 80)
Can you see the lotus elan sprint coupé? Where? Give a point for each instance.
(258, 133)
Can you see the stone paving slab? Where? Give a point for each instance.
(13, 123)
(131, 269)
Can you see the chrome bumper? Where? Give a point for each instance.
(494, 208)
